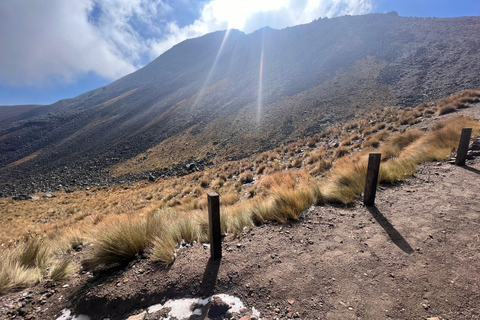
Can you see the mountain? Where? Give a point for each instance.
(8, 112)
(228, 94)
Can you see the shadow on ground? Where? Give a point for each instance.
(394, 235)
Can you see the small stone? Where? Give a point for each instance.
(433, 318)
(291, 302)
(277, 310)
(140, 316)
(217, 307)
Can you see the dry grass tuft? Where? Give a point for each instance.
(163, 249)
(24, 265)
(246, 177)
(61, 270)
(121, 240)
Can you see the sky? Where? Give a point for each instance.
(56, 49)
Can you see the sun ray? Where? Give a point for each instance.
(260, 84)
(209, 75)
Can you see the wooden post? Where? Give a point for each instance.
(372, 178)
(463, 146)
(214, 226)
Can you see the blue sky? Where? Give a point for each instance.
(54, 49)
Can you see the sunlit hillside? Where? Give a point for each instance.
(228, 95)
(154, 218)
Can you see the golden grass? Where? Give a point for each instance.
(61, 270)
(104, 215)
(122, 239)
(246, 177)
(26, 264)
(163, 249)
(401, 154)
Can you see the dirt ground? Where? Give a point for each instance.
(415, 255)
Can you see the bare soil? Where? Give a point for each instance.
(415, 255)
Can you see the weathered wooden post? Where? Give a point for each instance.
(372, 178)
(463, 146)
(214, 226)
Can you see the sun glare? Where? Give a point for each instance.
(236, 13)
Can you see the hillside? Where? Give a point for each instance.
(411, 256)
(228, 94)
(8, 112)
(111, 251)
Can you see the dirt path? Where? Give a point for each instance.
(413, 256)
(416, 255)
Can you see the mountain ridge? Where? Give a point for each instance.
(207, 93)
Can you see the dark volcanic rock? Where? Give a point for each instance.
(313, 75)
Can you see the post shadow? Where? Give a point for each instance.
(209, 280)
(394, 235)
(471, 169)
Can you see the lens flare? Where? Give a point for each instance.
(212, 69)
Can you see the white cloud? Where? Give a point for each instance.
(250, 15)
(51, 41)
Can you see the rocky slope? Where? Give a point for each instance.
(228, 94)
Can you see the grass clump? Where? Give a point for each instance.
(24, 265)
(205, 182)
(347, 181)
(121, 240)
(60, 270)
(246, 177)
(163, 250)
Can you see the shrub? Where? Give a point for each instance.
(371, 143)
(230, 198)
(311, 142)
(205, 182)
(246, 177)
(340, 152)
(447, 109)
(297, 163)
(261, 169)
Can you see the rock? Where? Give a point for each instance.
(21, 197)
(78, 247)
(68, 190)
(140, 316)
(217, 307)
(151, 178)
(22, 311)
(475, 145)
(245, 318)
(333, 144)
(48, 195)
(433, 318)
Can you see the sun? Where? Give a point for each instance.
(237, 13)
